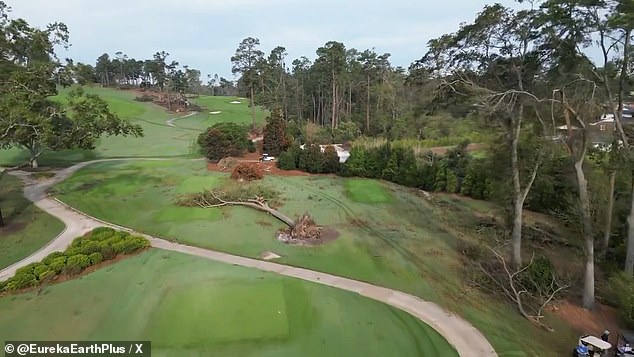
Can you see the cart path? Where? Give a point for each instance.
(463, 336)
(170, 122)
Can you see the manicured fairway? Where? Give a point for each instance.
(28, 228)
(189, 306)
(404, 242)
(366, 191)
(159, 138)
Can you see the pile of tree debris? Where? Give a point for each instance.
(304, 232)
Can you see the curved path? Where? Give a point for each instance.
(170, 122)
(465, 338)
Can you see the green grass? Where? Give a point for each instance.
(405, 242)
(366, 191)
(190, 306)
(160, 140)
(235, 113)
(27, 227)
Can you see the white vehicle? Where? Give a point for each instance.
(266, 157)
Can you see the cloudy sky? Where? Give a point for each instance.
(205, 33)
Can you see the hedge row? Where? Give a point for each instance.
(94, 247)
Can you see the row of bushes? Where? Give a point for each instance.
(94, 247)
(310, 159)
(457, 171)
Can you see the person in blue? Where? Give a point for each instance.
(581, 351)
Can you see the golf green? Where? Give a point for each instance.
(190, 306)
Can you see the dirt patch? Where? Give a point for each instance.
(593, 322)
(264, 223)
(12, 228)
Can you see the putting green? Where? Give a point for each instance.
(189, 306)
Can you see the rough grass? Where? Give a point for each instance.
(28, 228)
(160, 140)
(190, 306)
(406, 242)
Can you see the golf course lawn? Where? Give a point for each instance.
(189, 306)
(159, 140)
(27, 227)
(394, 238)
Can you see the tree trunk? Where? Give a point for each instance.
(252, 107)
(518, 199)
(607, 231)
(584, 202)
(334, 102)
(1, 217)
(367, 108)
(629, 253)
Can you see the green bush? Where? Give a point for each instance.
(88, 247)
(21, 281)
(45, 275)
(107, 251)
(76, 263)
(40, 269)
(58, 264)
(623, 292)
(84, 252)
(95, 258)
(27, 269)
(286, 161)
(49, 258)
(222, 140)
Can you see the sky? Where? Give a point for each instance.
(204, 34)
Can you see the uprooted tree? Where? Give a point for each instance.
(301, 230)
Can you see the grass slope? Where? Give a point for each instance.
(190, 306)
(405, 242)
(28, 228)
(159, 138)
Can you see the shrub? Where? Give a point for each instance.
(40, 269)
(275, 139)
(311, 159)
(21, 281)
(286, 161)
(247, 171)
(27, 269)
(623, 292)
(102, 232)
(58, 264)
(539, 275)
(251, 147)
(144, 98)
(49, 258)
(45, 275)
(107, 251)
(88, 247)
(134, 244)
(222, 140)
(95, 258)
(76, 263)
(330, 160)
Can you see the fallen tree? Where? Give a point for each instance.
(298, 231)
(532, 288)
